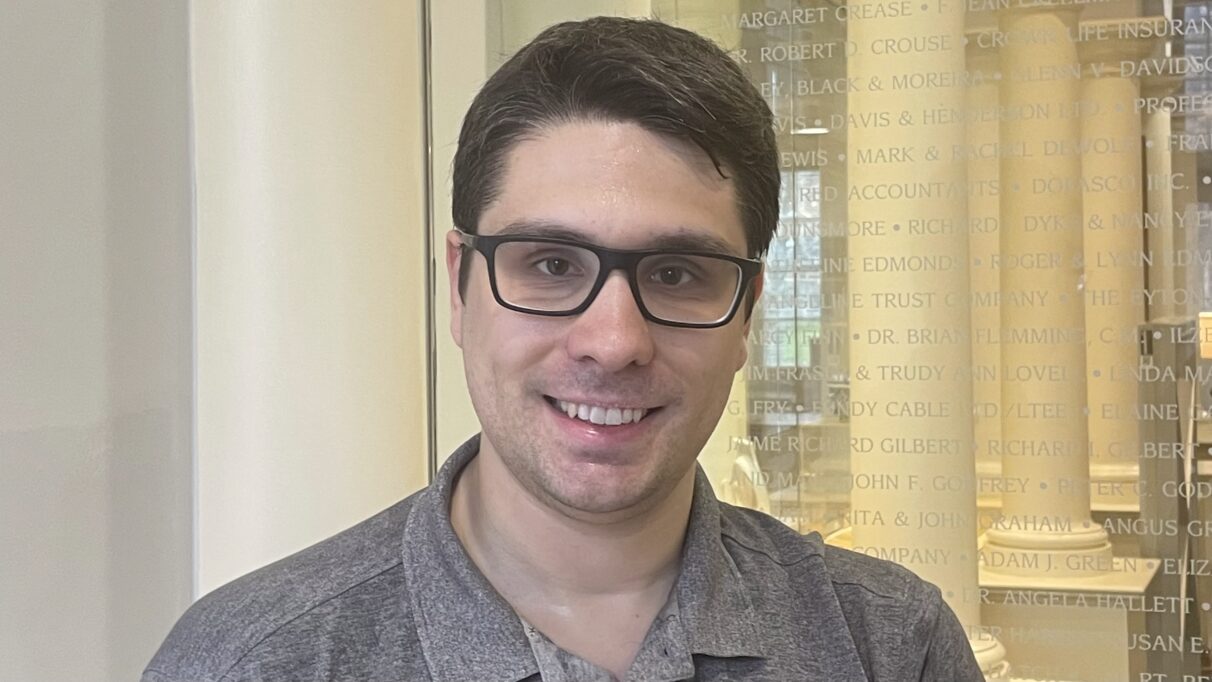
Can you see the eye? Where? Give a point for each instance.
(671, 275)
(554, 266)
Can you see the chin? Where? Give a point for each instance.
(599, 501)
(604, 489)
(598, 487)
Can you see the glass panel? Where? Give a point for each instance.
(982, 350)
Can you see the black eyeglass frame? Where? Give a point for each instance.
(609, 260)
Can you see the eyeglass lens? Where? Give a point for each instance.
(550, 277)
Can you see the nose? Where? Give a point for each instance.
(613, 331)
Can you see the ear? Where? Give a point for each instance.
(454, 261)
(756, 287)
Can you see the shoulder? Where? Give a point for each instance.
(897, 621)
(760, 534)
(231, 622)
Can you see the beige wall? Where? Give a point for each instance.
(95, 366)
(170, 422)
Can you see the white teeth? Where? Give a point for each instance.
(607, 416)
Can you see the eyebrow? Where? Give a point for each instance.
(680, 239)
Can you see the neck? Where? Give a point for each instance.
(529, 549)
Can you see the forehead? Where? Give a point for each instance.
(616, 184)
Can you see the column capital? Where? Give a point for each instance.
(1013, 7)
(1160, 86)
(1105, 45)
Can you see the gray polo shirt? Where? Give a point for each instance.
(397, 598)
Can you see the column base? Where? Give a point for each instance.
(1067, 554)
(991, 657)
(1076, 629)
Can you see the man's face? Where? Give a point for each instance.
(614, 185)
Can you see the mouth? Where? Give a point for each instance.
(601, 415)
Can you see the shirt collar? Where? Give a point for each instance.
(713, 599)
(468, 631)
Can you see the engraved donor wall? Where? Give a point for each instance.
(979, 352)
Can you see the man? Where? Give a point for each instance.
(614, 184)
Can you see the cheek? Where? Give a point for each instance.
(707, 369)
(503, 351)
(731, 346)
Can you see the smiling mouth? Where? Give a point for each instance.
(600, 415)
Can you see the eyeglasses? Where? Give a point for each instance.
(557, 277)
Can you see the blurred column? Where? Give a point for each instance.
(913, 493)
(1045, 527)
(1161, 182)
(310, 273)
(1188, 291)
(1113, 238)
(982, 153)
